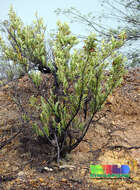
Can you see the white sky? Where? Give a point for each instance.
(26, 10)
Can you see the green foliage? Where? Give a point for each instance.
(36, 78)
(126, 16)
(60, 115)
(80, 85)
(25, 117)
(26, 43)
(37, 130)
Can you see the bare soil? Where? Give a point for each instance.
(115, 139)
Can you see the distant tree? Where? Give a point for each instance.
(126, 12)
(81, 84)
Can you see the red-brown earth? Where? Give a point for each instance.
(115, 139)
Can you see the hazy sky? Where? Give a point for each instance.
(26, 10)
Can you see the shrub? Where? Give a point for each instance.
(80, 87)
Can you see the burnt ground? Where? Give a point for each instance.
(115, 139)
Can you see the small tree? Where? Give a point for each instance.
(83, 79)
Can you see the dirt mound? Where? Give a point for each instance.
(125, 99)
(113, 140)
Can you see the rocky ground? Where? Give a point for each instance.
(115, 139)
